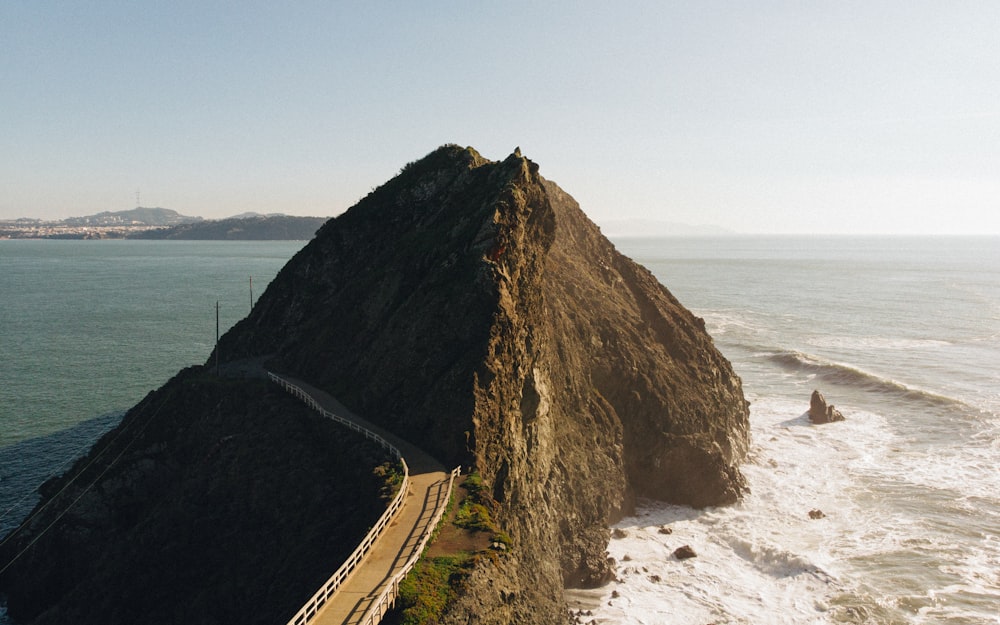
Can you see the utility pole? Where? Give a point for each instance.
(216, 338)
(251, 293)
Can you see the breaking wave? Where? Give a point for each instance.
(775, 561)
(846, 375)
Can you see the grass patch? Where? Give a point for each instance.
(437, 580)
(474, 512)
(429, 587)
(503, 538)
(474, 516)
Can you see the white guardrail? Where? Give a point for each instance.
(387, 598)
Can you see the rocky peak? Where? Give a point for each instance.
(470, 306)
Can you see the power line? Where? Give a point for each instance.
(79, 473)
(61, 469)
(80, 496)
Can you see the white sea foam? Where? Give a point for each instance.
(908, 482)
(719, 322)
(761, 558)
(766, 560)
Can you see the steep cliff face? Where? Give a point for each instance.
(471, 307)
(466, 305)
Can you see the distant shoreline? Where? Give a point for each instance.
(258, 228)
(115, 234)
(59, 232)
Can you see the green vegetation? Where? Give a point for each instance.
(391, 476)
(430, 586)
(475, 513)
(474, 516)
(473, 483)
(503, 538)
(435, 581)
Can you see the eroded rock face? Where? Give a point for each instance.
(472, 307)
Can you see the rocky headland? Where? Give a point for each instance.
(468, 306)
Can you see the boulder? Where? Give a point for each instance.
(820, 411)
(685, 552)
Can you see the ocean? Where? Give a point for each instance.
(88, 328)
(901, 334)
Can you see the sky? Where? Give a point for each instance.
(838, 117)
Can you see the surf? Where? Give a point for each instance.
(831, 372)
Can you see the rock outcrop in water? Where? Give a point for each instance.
(472, 308)
(820, 412)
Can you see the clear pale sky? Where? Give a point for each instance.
(823, 117)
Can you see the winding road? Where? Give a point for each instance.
(366, 585)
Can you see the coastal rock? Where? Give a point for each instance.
(820, 411)
(470, 307)
(684, 553)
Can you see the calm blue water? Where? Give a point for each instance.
(902, 334)
(87, 328)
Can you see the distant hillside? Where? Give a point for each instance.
(258, 228)
(139, 216)
(655, 228)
